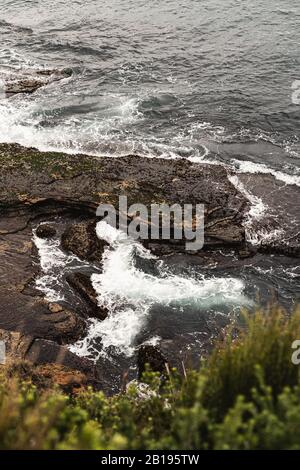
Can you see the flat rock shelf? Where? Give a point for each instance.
(64, 191)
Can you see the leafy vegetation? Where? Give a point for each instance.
(245, 396)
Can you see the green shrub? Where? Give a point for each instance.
(245, 396)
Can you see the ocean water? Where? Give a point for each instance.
(202, 80)
(210, 81)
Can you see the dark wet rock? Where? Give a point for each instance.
(49, 363)
(44, 352)
(50, 375)
(68, 327)
(41, 186)
(45, 231)
(29, 85)
(29, 82)
(55, 308)
(31, 316)
(16, 344)
(80, 183)
(83, 285)
(82, 241)
(150, 356)
(54, 74)
(247, 252)
(277, 230)
(22, 307)
(219, 233)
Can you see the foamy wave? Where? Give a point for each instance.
(21, 121)
(256, 232)
(257, 209)
(260, 236)
(24, 119)
(54, 262)
(128, 293)
(51, 260)
(250, 167)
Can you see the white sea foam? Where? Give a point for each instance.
(53, 263)
(251, 167)
(22, 117)
(128, 293)
(21, 121)
(258, 209)
(52, 259)
(260, 235)
(256, 232)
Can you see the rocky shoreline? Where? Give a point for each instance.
(64, 191)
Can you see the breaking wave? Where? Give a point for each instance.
(129, 293)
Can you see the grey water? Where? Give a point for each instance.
(209, 78)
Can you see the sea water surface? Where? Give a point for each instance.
(174, 78)
(208, 80)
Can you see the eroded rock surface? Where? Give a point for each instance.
(150, 356)
(82, 284)
(82, 241)
(30, 81)
(39, 181)
(37, 187)
(277, 230)
(45, 231)
(52, 364)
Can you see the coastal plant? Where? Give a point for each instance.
(246, 395)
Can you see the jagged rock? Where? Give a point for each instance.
(16, 345)
(81, 239)
(50, 375)
(30, 316)
(280, 203)
(44, 352)
(55, 308)
(35, 184)
(151, 356)
(247, 252)
(31, 81)
(48, 363)
(68, 326)
(83, 285)
(220, 233)
(45, 231)
(29, 85)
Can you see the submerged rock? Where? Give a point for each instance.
(82, 241)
